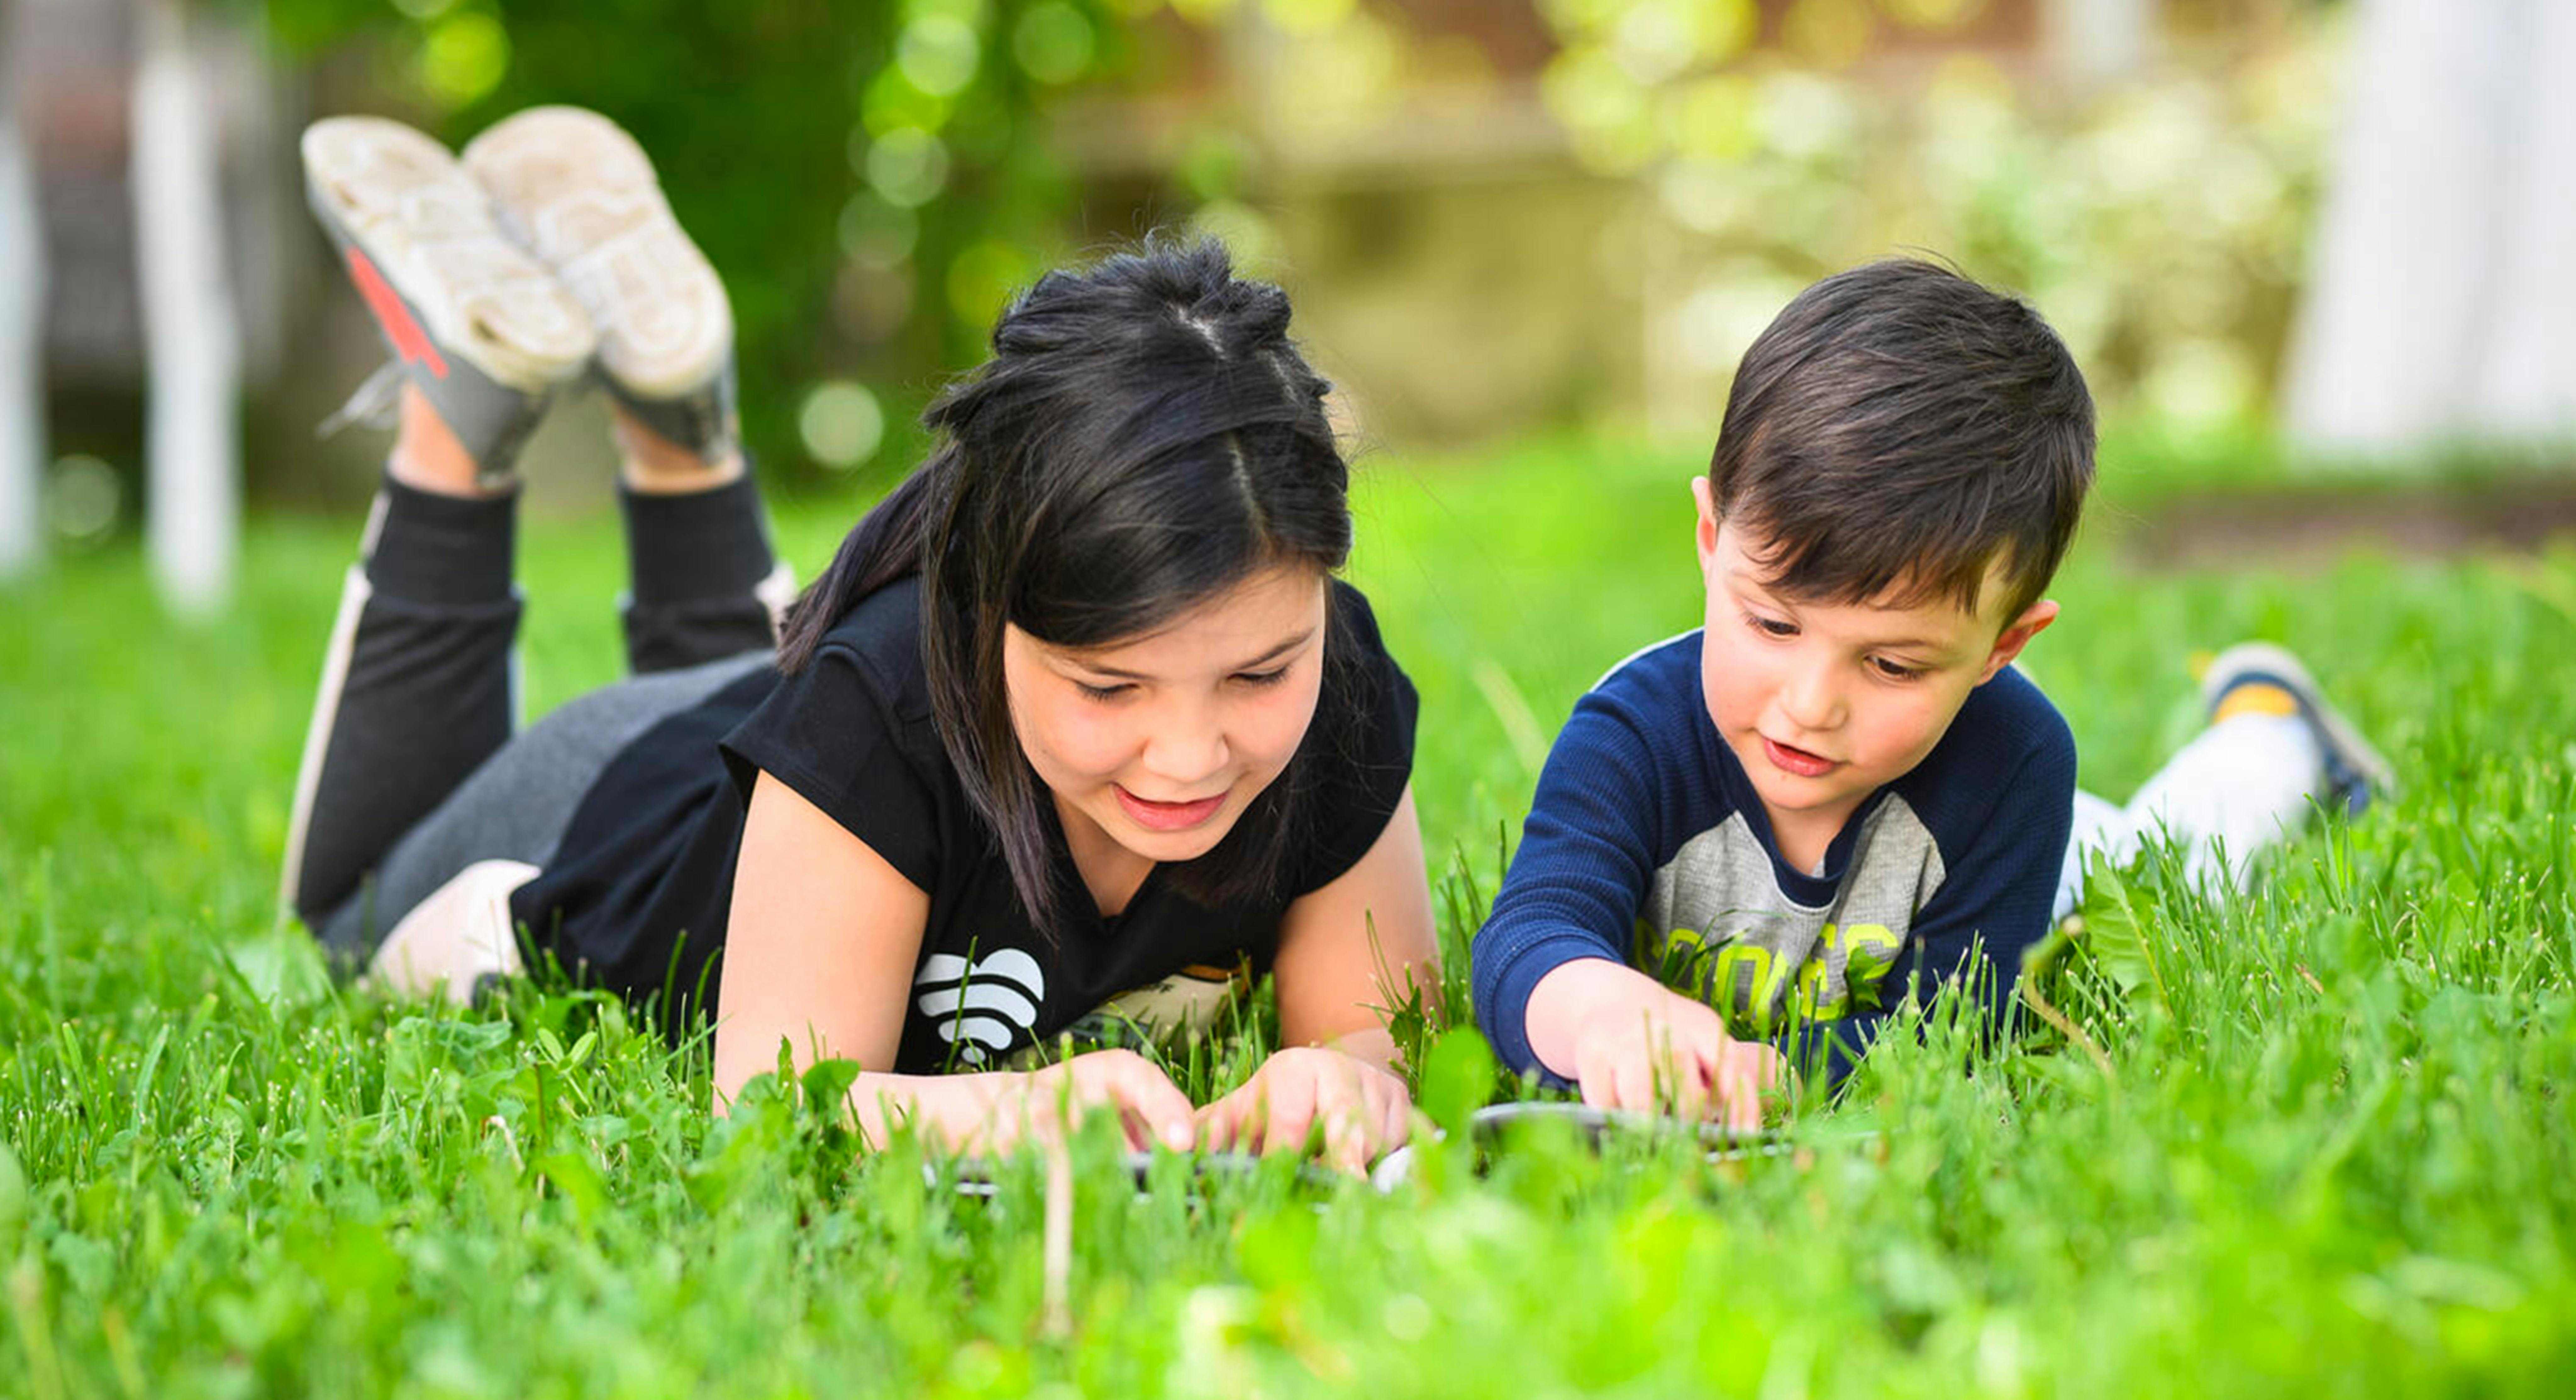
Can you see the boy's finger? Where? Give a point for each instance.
(1687, 1082)
(1632, 1086)
(1743, 1107)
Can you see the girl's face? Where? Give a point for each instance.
(1162, 742)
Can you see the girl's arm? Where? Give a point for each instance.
(1348, 953)
(819, 951)
(1336, 943)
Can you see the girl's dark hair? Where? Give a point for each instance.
(1144, 438)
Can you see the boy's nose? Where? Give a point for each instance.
(1812, 699)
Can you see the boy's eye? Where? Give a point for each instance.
(1770, 626)
(1895, 671)
(1260, 678)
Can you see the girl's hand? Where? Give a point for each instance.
(1363, 1109)
(996, 1113)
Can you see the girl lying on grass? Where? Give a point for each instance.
(1078, 723)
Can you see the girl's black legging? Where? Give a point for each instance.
(411, 771)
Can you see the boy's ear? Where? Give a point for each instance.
(2032, 621)
(1706, 499)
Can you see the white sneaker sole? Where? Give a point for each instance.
(399, 197)
(577, 192)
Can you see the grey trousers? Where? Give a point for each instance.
(411, 771)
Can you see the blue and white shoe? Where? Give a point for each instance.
(2354, 770)
(484, 331)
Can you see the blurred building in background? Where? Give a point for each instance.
(1496, 216)
(1500, 216)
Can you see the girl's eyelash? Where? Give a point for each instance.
(1112, 692)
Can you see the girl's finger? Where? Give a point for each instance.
(1288, 1113)
(1160, 1108)
(1394, 1115)
(1221, 1122)
(1345, 1132)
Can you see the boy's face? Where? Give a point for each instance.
(1825, 703)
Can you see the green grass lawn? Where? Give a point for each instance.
(2327, 1140)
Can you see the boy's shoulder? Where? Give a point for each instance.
(1652, 703)
(2007, 738)
(1658, 678)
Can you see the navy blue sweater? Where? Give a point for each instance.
(1647, 844)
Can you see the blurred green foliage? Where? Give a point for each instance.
(2158, 218)
(874, 177)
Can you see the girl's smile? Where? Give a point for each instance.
(1168, 816)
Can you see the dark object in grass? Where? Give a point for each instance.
(981, 1177)
(1597, 1125)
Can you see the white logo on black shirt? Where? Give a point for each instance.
(987, 1005)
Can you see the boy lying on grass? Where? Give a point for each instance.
(1836, 793)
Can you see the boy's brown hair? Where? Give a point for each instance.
(1900, 426)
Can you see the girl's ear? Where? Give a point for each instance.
(2033, 620)
(1705, 499)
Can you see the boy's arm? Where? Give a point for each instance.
(1578, 879)
(1989, 911)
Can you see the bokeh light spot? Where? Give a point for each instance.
(83, 498)
(1053, 42)
(1307, 16)
(876, 234)
(908, 167)
(463, 58)
(842, 424)
(939, 54)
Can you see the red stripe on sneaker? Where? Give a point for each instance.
(410, 341)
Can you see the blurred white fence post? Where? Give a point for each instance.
(2528, 390)
(2440, 306)
(22, 322)
(192, 349)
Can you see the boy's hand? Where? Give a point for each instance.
(1632, 1044)
(1362, 1109)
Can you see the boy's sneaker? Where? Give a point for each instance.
(483, 330)
(577, 192)
(2353, 768)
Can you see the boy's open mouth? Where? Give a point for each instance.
(1797, 761)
